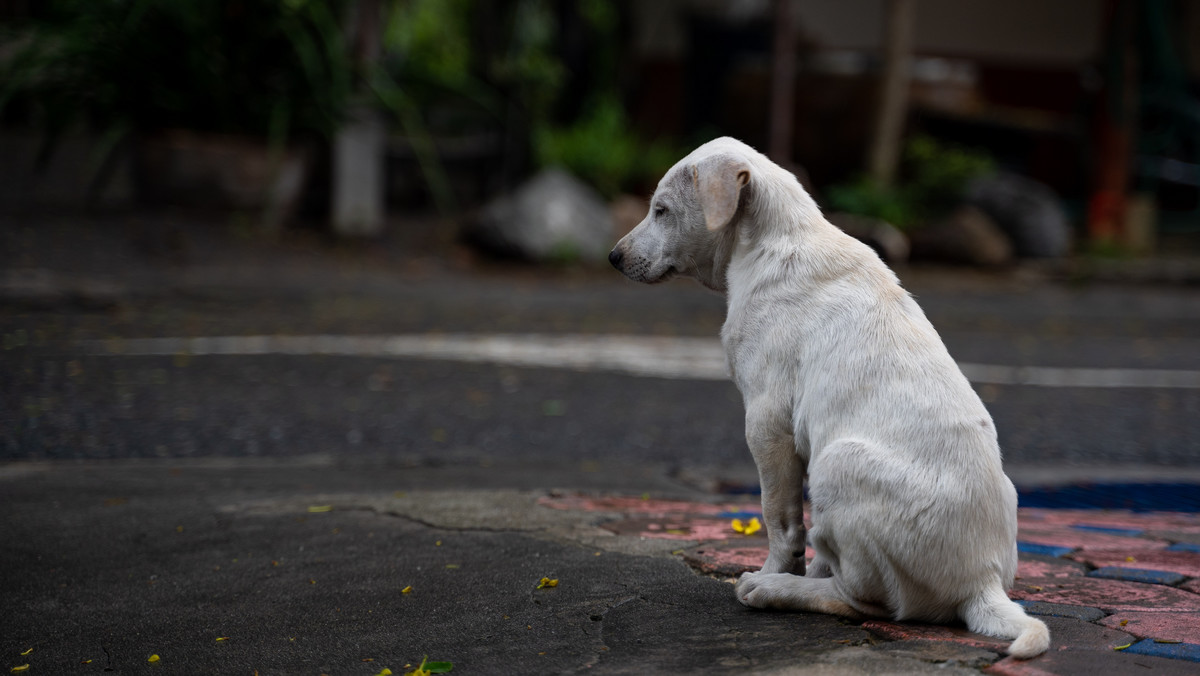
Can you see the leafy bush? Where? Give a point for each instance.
(601, 149)
(259, 67)
(934, 176)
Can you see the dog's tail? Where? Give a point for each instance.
(991, 612)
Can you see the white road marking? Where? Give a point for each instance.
(662, 357)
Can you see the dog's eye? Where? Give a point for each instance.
(659, 211)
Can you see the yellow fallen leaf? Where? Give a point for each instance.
(222, 638)
(748, 528)
(320, 508)
(419, 671)
(1122, 647)
(1130, 559)
(547, 582)
(17, 670)
(85, 662)
(406, 590)
(153, 658)
(385, 672)
(1167, 640)
(1124, 622)
(26, 652)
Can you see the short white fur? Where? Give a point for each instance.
(846, 386)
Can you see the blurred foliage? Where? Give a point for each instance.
(272, 68)
(282, 70)
(602, 149)
(933, 178)
(598, 143)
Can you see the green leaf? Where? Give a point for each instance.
(438, 667)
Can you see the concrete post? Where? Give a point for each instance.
(358, 148)
(358, 181)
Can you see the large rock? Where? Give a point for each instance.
(552, 217)
(1027, 211)
(965, 235)
(887, 241)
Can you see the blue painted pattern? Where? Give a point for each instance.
(1159, 497)
(1175, 651)
(1045, 550)
(1138, 575)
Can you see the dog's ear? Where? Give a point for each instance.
(718, 181)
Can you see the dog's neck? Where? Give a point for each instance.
(781, 221)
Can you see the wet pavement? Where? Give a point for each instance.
(319, 566)
(242, 513)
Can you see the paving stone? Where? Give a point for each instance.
(1037, 565)
(1183, 562)
(727, 558)
(1110, 530)
(924, 632)
(1138, 575)
(1073, 634)
(940, 652)
(1035, 518)
(1062, 610)
(1176, 626)
(1089, 540)
(682, 527)
(1108, 595)
(643, 505)
(1175, 651)
(1042, 549)
(1192, 586)
(1091, 663)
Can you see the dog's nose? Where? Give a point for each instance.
(615, 257)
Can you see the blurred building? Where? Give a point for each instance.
(1052, 89)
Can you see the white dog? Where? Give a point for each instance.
(846, 382)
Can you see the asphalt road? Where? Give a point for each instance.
(68, 283)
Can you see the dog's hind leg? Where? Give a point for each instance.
(780, 591)
(819, 567)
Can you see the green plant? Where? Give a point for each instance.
(934, 175)
(866, 197)
(602, 149)
(268, 68)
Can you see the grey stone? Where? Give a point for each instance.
(965, 235)
(1027, 211)
(552, 217)
(940, 652)
(1081, 634)
(887, 241)
(1063, 610)
(1088, 662)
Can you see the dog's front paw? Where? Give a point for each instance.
(760, 590)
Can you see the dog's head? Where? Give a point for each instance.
(689, 228)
